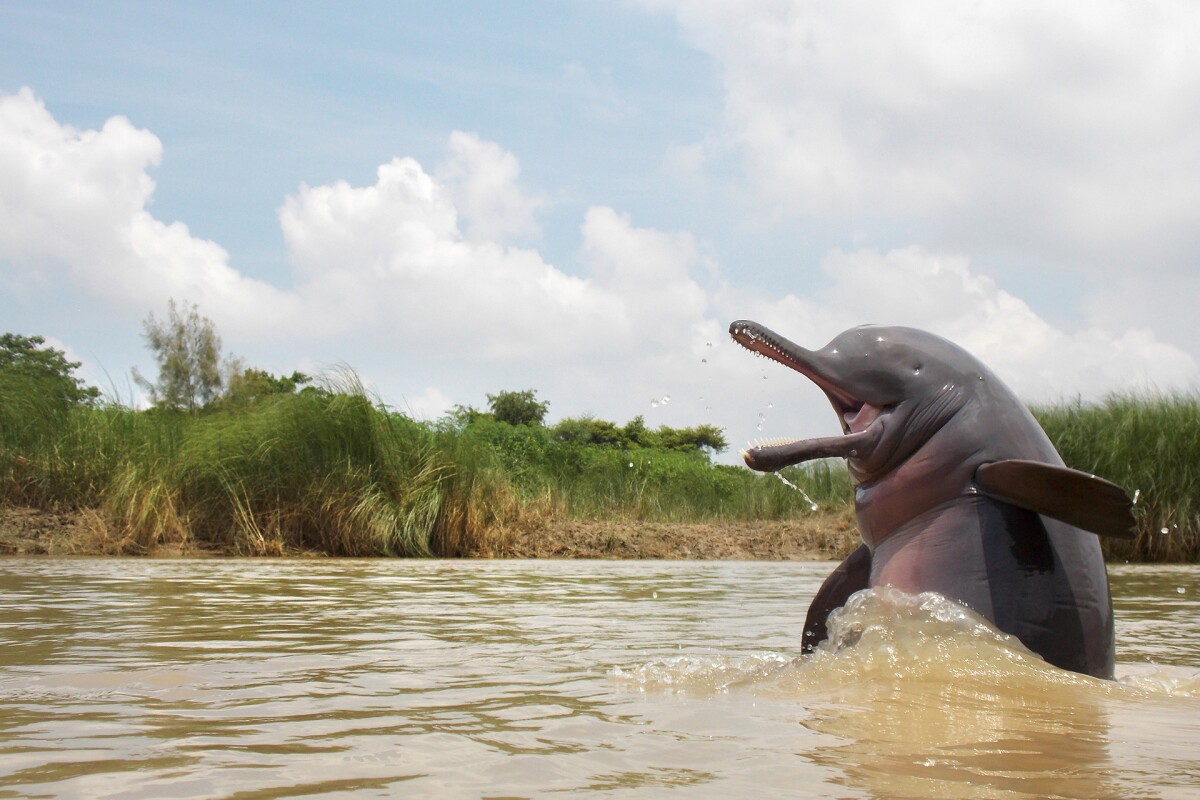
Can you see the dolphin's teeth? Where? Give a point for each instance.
(744, 454)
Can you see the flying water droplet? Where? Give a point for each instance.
(704, 361)
(1165, 531)
(812, 505)
(654, 402)
(1137, 493)
(666, 399)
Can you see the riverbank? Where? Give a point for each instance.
(820, 536)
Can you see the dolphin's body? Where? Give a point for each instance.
(957, 491)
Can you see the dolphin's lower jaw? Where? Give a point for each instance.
(772, 457)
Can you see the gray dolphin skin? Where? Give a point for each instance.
(957, 491)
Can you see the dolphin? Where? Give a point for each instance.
(957, 490)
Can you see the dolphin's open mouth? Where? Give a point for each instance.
(862, 423)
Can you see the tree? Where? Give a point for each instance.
(188, 351)
(246, 385)
(588, 430)
(695, 439)
(24, 358)
(518, 408)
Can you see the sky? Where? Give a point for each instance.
(457, 199)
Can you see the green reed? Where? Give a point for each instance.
(1149, 444)
(334, 471)
(329, 471)
(653, 484)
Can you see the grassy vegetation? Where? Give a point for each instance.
(333, 471)
(328, 471)
(1147, 444)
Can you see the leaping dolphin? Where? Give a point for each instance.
(958, 490)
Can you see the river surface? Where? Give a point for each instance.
(265, 679)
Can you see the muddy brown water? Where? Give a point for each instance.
(264, 679)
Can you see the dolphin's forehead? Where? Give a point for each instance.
(899, 343)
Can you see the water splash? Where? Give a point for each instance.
(812, 504)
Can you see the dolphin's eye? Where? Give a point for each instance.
(917, 368)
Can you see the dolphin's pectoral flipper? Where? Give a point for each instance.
(851, 576)
(1069, 495)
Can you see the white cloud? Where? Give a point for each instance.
(431, 404)
(481, 179)
(390, 258)
(77, 200)
(651, 272)
(386, 280)
(941, 293)
(1066, 130)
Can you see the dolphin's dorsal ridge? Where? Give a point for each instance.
(1074, 497)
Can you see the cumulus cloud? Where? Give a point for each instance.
(1066, 131)
(76, 201)
(391, 258)
(415, 279)
(941, 293)
(482, 181)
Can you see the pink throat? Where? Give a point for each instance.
(861, 419)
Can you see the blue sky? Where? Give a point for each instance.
(459, 198)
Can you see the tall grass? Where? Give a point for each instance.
(651, 484)
(333, 471)
(1149, 445)
(324, 471)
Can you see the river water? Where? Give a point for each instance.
(265, 679)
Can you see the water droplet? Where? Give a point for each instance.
(654, 403)
(1165, 531)
(654, 595)
(631, 464)
(666, 399)
(1180, 589)
(704, 361)
(1136, 495)
(708, 344)
(759, 426)
(811, 503)
(770, 405)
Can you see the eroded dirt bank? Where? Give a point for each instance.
(26, 531)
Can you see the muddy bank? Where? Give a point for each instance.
(26, 531)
